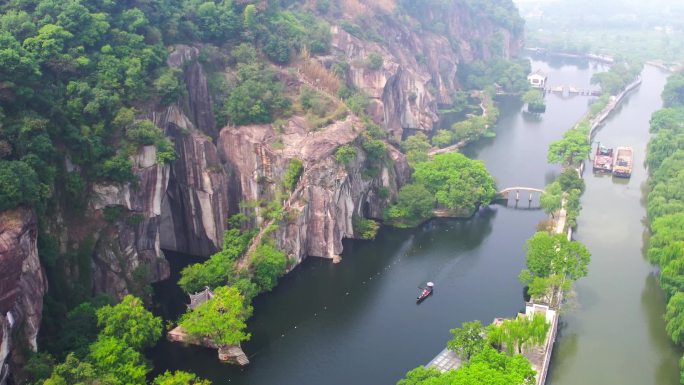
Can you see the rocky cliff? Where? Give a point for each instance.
(328, 195)
(22, 286)
(419, 65)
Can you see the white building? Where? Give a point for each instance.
(537, 79)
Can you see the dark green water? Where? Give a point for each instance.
(615, 334)
(357, 322)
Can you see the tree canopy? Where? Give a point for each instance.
(130, 322)
(456, 181)
(221, 318)
(572, 148)
(468, 340)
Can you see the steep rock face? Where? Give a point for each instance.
(195, 205)
(419, 66)
(180, 207)
(132, 242)
(22, 286)
(321, 208)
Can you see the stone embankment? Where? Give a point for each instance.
(226, 353)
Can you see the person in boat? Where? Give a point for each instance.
(427, 290)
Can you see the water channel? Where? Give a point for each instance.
(616, 332)
(357, 322)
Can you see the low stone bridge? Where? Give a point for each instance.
(505, 192)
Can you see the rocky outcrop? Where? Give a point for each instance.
(328, 195)
(419, 66)
(133, 242)
(180, 206)
(195, 205)
(22, 286)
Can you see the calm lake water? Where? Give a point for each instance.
(357, 322)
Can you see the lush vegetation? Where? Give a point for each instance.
(508, 76)
(491, 355)
(665, 160)
(365, 228)
(221, 318)
(617, 77)
(110, 352)
(553, 263)
(535, 100)
(573, 147)
(448, 181)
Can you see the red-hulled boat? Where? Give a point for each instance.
(426, 292)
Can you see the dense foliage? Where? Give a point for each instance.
(455, 181)
(450, 181)
(489, 367)
(665, 160)
(221, 318)
(572, 148)
(617, 77)
(553, 263)
(115, 356)
(219, 269)
(509, 75)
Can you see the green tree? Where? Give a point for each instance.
(674, 318)
(492, 367)
(554, 255)
(117, 363)
(268, 264)
(345, 154)
(419, 376)
(73, 371)
(416, 148)
(468, 340)
(456, 181)
(130, 322)
(443, 138)
(470, 129)
(673, 94)
(19, 185)
(179, 378)
(415, 204)
(569, 179)
(552, 198)
(666, 230)
(571, 148)
(222, 318)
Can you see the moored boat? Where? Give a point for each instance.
(622, 166)
(426, 292)
(603, 159)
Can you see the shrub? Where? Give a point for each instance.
(374, 61)
(268, 265)
(365, 228)
(345, 154)
(292, 174)
(19, 185)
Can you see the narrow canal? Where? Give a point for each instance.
(357, 322)
(616, 333)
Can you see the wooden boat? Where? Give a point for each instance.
(622, 166)
(426, 292)
(603, 159)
